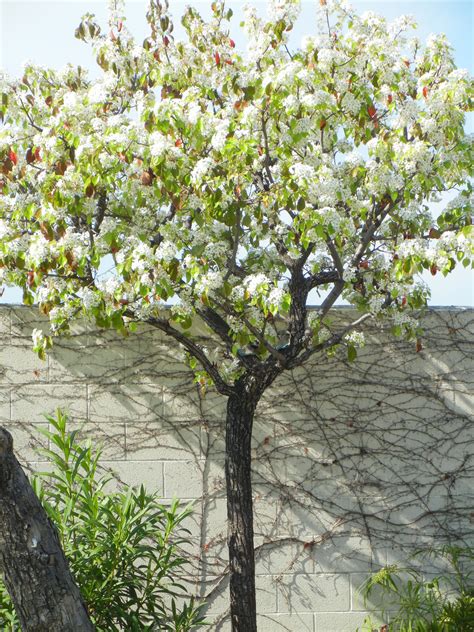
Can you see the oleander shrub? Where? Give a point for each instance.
(123, 546)
(413, 602)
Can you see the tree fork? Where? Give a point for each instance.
(34, 568)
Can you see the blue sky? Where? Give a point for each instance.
(43, 32)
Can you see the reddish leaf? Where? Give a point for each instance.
(419, 346)
(90, 190)
(46, 231)
(434, 269)
(231, 43)
(13, 157)
(372, 111)
(240, 105)
(425, 92)
(217, 57)
(146, 178)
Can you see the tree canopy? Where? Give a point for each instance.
(236, 182)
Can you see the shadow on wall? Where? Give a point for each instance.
(355, 465)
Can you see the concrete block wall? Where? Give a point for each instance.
(355, 465)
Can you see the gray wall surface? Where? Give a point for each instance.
(355, 465)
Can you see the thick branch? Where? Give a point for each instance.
(195, 350)
(321, 278)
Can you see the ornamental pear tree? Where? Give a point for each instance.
(224, 186)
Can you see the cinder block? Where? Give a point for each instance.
(210, 519)
(162, 363)
(341, 621)
(136, 473)
(72, 361)
(27, 440)
(130, 403)
(300, 516)
(24, 320)
(278, 557)
(283, 409)
(5, 324)
(213, 471)
(20, 365)
(300, 622)
(4, 405)
(346, 553)
(181, 405)
(162, 442)
(266, 597)
(31, 402)
(185, 403)
(110, 439)
(183, 479)
(378, 600)
(313, 593)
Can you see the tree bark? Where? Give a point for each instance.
(240, 412)
(34, 568)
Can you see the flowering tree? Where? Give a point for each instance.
(235, 184)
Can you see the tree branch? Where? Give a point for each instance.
(334, 339)
(195, 350)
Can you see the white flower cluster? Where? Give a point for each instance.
(211, 280)
(355, 338)
(108, 286)
(255, 282)
(38, 250)
(413, 157)
(88, 297)
(97, 93)
(276, 295)
(402, 318)
(376, 303)
(78, 242)
(38, 338)
(159, 144)
(200, 170)
(166, 251)
(313, 319)
(302, 172)
(221, 129)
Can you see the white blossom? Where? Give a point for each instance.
(97, 93)
(201, 169)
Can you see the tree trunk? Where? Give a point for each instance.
(240, 412)
(35, 570)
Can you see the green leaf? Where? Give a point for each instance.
(351, 353)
